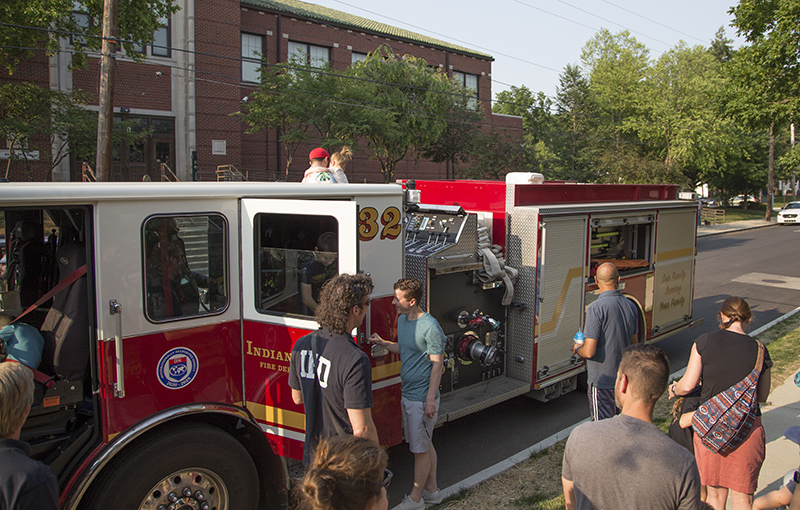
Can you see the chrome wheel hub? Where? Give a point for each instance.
(189, 489)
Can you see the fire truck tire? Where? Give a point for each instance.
(182, 468)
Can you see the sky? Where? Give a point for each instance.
(532, 40)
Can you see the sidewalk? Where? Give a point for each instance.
(722, 228)
(782, 410)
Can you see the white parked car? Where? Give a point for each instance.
(790, 213)
(737, 200)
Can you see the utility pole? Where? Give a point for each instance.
(105, 117)
(794, 171)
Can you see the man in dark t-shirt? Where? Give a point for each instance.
(24, 482)
(328, 373)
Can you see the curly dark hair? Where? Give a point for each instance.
(346, 474)
(411, 287)
(338, 296)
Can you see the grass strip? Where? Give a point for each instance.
(536, 483)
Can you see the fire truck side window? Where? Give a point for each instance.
(296, 255)
(184, 264)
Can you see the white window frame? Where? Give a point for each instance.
(252, 49)
(314, 56)
(470, 81)
(357, 56)
(156, 49)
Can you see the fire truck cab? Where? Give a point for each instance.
(169, 311)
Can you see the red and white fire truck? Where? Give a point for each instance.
(175, 306)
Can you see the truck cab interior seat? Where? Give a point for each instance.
(66, 326)
(62, 408)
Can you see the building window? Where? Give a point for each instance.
(296, 255)
(470, 81)
(184, 260)
(252, 48)
(357, 57)
(162, 40)
(313, 56)
(83, 20)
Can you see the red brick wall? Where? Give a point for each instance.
(35, 70)
(259, 150)
(217, 90)
(136, 85)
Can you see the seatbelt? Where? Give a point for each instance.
(37, 376)
(40, 376)
(55, 290)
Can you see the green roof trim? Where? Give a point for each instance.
(324, 14)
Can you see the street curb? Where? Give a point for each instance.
(504, 465)
(740, 229)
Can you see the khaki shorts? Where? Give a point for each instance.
(417, 427)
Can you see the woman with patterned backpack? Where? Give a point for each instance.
(729, 441)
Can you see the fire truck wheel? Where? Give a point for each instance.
(198, 467)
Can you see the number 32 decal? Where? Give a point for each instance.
(368, 223)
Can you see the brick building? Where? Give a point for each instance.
(201, 66)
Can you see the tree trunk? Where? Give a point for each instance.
(771, 177)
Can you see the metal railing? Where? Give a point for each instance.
(712, 215)
(230, 173)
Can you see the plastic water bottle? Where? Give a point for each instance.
(579, 339)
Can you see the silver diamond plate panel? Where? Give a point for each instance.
(416, 267)
(521, 253)
(562, 284)
(463, 252)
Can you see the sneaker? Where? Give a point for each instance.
(432, 498)
(410, 504)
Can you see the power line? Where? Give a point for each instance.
(614, 22)
(653, 21)
(449, 37)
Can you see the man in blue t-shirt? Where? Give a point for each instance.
(421, 348)
(612, 323)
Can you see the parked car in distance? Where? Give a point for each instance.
(708, 202)
(737, 200)
(790, 213)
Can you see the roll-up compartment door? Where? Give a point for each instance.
(674, 269)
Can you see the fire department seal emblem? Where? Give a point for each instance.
(177, 368)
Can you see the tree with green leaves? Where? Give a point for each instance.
(576, 118)
(41, 23)
(721, 47)
(412, 104)
(766, 72)
(296, 99)
(616, 65)
(52, 122)
(679, 117)
(539, 127)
